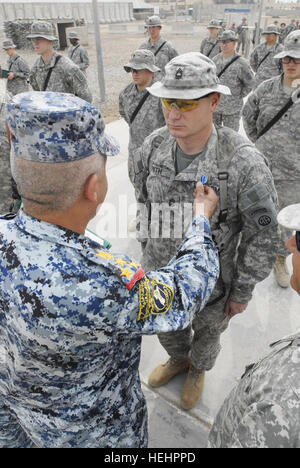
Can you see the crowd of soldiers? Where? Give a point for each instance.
(184, 114)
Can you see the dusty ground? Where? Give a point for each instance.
(116, 49)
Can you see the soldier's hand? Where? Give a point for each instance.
(206, 200)
(233, 308)
(10, 76)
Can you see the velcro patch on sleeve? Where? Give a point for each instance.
(154, 298)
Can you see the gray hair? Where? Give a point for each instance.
(48, 187)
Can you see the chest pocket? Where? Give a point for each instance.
(158, 183)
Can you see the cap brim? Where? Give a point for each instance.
(108, 145)
(289, 217)
(159, 90)
(35, 36)
(288, 53)
(140, 66)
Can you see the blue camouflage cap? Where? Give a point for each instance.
(56, 127)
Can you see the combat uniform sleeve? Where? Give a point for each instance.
(250, 114)
(122, 107)
(23, 69)
(85, 61)
(80, 85)
(167, 299)
(32, 79)
(246, 78)
(253, 60)
(257, 202)
(172, 51)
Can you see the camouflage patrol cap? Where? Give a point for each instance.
(271, 29)
(291, 46)
(73, 35)
(289, 217)
(142, 59)
(56, 127)
(189, 76)
(8, 44)
(152, 21)
(41, 29)
(214, 23)
(228, 35)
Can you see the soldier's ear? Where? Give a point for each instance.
(215, 97)
(90, 190)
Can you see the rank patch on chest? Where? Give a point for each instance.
(154, 298)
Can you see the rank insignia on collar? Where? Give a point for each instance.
(178, 74)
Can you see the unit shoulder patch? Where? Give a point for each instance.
(154, 298)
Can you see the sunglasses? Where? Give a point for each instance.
(183, 105)
(291, 59)
(298, 240)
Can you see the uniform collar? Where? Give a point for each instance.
(51, 232)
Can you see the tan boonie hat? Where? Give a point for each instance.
(291, 46)
(41, 29)
(189, 76)
(228, 35)
(73, 35)
(289, 217)
(271, 29)
(8, 44)
(141, 59)
(152, 21)
(214, 24)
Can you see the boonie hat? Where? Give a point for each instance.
(271, 29)
(189, 76)
(53, 127)
(142, 59)
(291, 46)
(152, 21)
(41, 29)
(8, 44)
(73, 35)
(289, 217)
(228, 35)
(214, 24)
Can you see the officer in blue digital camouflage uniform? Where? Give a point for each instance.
(71, 313)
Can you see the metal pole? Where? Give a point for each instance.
(258, 23)
(101, 80)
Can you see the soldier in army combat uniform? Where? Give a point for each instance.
(210, 46)
(161, 49)
(77, 53)
(262, 59)
(52, 71)
(172, 160)
(263, 410)
(279, 139)
(18, 69)
(72, 314)
(141, 110)
(234, 72)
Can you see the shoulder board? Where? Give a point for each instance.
(122, 266)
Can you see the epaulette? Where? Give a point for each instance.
(128, 271)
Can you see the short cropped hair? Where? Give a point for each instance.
(48, 187)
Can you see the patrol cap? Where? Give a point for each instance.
(142, 59)
(214, 23)
(228, 35)
(189, 76)
(73, 35)
(56, 127)
(271, 29)
(41, 29)
(291, 46)
(289, 217)
(152, 21)
(8, 44)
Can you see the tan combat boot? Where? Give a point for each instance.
(281, 272)
(163, 373)
(192, 389)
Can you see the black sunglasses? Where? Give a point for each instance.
(298, 240)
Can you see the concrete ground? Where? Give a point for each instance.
(272, 313)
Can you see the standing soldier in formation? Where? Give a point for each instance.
(73, 314)
(210, 46)
(52, 71)
(161, 49)
(172, 160)
(17, 80)
(271, 119)
(242, 32)
(141, 110)
(235, 73)
(77, 53)
(262, 59)
(263, 410)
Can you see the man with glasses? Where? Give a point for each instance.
(262, 59)
(141, 110)
(210, 46)
(171, 161)
(52, 71)
(271, 118)
(161, 49)
(234, 72)
(263, 410)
